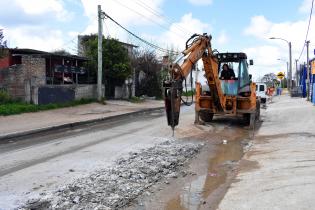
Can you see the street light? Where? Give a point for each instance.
(290, 61)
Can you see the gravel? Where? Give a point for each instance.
(118, 186)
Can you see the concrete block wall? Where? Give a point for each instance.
(12, 81)
(34, 69)
(121, 92)
(21, 81)
(85, 91)
(54, 93)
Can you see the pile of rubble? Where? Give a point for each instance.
(115, 187)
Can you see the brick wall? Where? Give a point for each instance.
(34, 69)
(4, 62)
(20, 81)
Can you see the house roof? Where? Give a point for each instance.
(127, 44)
(26, 51)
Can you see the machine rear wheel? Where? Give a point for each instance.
(206, 116)
(257, 110)
(246, 118)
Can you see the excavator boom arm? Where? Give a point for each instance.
(197, 47)
(194, 52)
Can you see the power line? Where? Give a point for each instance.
(170, 21)
(152, 20)
(141, 39)
(107, 28)
(308, 28)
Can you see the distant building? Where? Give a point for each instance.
(25, 72)
(83, 38)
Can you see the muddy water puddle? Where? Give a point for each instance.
(197, 191)
(209, 174)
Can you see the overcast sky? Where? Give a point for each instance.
(242, 25)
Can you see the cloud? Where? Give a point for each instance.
(129, 14)
(34, 23)
(305, 6)
(262, 29)
(186, 22)
(223, 38)
(259, 27)
(174, 35)
(200, 2)
(34, 37)
(266, 61)
(124, 11)
(35, 10)
(41, 7)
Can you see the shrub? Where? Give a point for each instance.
(19, 107)
(4, 97)
(188, 93)
(135, 99)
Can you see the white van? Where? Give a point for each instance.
(261, 89)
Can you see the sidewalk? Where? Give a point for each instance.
(278, 171)
(27, 123)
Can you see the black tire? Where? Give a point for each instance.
(246, 118)
(206, 116)
(257, 116)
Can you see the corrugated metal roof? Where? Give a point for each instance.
(26, 51)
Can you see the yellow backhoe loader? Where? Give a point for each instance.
(229, 90)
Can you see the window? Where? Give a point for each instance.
(232, 65)
(261, 88)
(244, 74)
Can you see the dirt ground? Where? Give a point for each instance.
(211, 172)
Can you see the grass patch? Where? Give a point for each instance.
(13, 107)
(135, 99)
(188, 93)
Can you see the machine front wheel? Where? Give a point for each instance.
(206, 116)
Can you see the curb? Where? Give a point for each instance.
(74, 124)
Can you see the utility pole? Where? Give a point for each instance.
(134, 82)
(288, 77)
(290, 67)
(99, 54)
(308, 71)
(297, 73)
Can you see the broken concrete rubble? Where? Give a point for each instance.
(118, 186)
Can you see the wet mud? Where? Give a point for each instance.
(210, 174)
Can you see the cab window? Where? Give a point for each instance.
(262, 88)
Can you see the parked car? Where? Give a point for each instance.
(261, 89)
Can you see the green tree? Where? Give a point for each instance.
(116, 62)
(270, 79)
(3, 44)
(61, 52)
(147, 63)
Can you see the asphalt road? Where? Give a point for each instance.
(40, 163)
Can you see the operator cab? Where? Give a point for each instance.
(236, 80)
